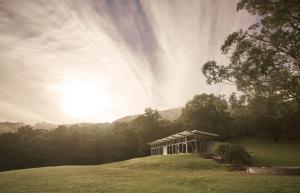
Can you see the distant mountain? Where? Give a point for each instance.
(10, 127)
(46, 126)
(6, 127)
(99, 126)
(170, 114)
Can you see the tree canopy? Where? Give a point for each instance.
(265, 58)
(207, 113)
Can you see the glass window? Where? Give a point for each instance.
(202, 146)
(184, 148)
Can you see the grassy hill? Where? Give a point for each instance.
(176, 173)
(266, 152)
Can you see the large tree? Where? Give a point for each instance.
(265, 58)
(147, 127)
(207, 113)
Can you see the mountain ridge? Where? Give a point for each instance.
(11, 127)
(168, 114)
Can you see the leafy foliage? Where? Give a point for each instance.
(264, 63)
(233, 154)
(265, 58)
(207, 113)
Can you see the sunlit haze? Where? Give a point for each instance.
(82, 99)
(66, 61)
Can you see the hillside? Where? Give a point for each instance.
(44, 125)
(11, 127)
(5, 127)
(170, 114)
(265, 152)
(187, 173)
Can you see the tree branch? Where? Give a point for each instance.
(280, 49)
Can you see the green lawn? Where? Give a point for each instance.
(267, 153)
(174, 173)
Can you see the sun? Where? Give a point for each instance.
(82, 99)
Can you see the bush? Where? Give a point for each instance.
(233, 154)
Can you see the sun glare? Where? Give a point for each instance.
(82, 99)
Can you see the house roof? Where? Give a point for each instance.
(182, 134)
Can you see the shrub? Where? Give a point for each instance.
(233, 154)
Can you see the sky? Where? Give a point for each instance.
(67, 61)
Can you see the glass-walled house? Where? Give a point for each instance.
(185, 142)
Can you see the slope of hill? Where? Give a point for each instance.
(169, 114)
(175, 173)
(11, 127)
(44, 125)
(265, 152)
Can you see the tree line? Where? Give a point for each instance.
(235, 117)
(82, 144)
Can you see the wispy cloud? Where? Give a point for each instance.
(138, 53)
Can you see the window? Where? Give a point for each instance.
(169, 150)
(184, 148)
(173, 149)
(202, 146)
(180, 148)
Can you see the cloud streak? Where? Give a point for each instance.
(138, 53)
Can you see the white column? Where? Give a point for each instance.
(186, 146)
(196, 144)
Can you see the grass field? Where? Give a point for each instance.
(265, 152)
(176, 173)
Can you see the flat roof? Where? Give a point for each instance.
(182, 134)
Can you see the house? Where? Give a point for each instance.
(185, 142)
